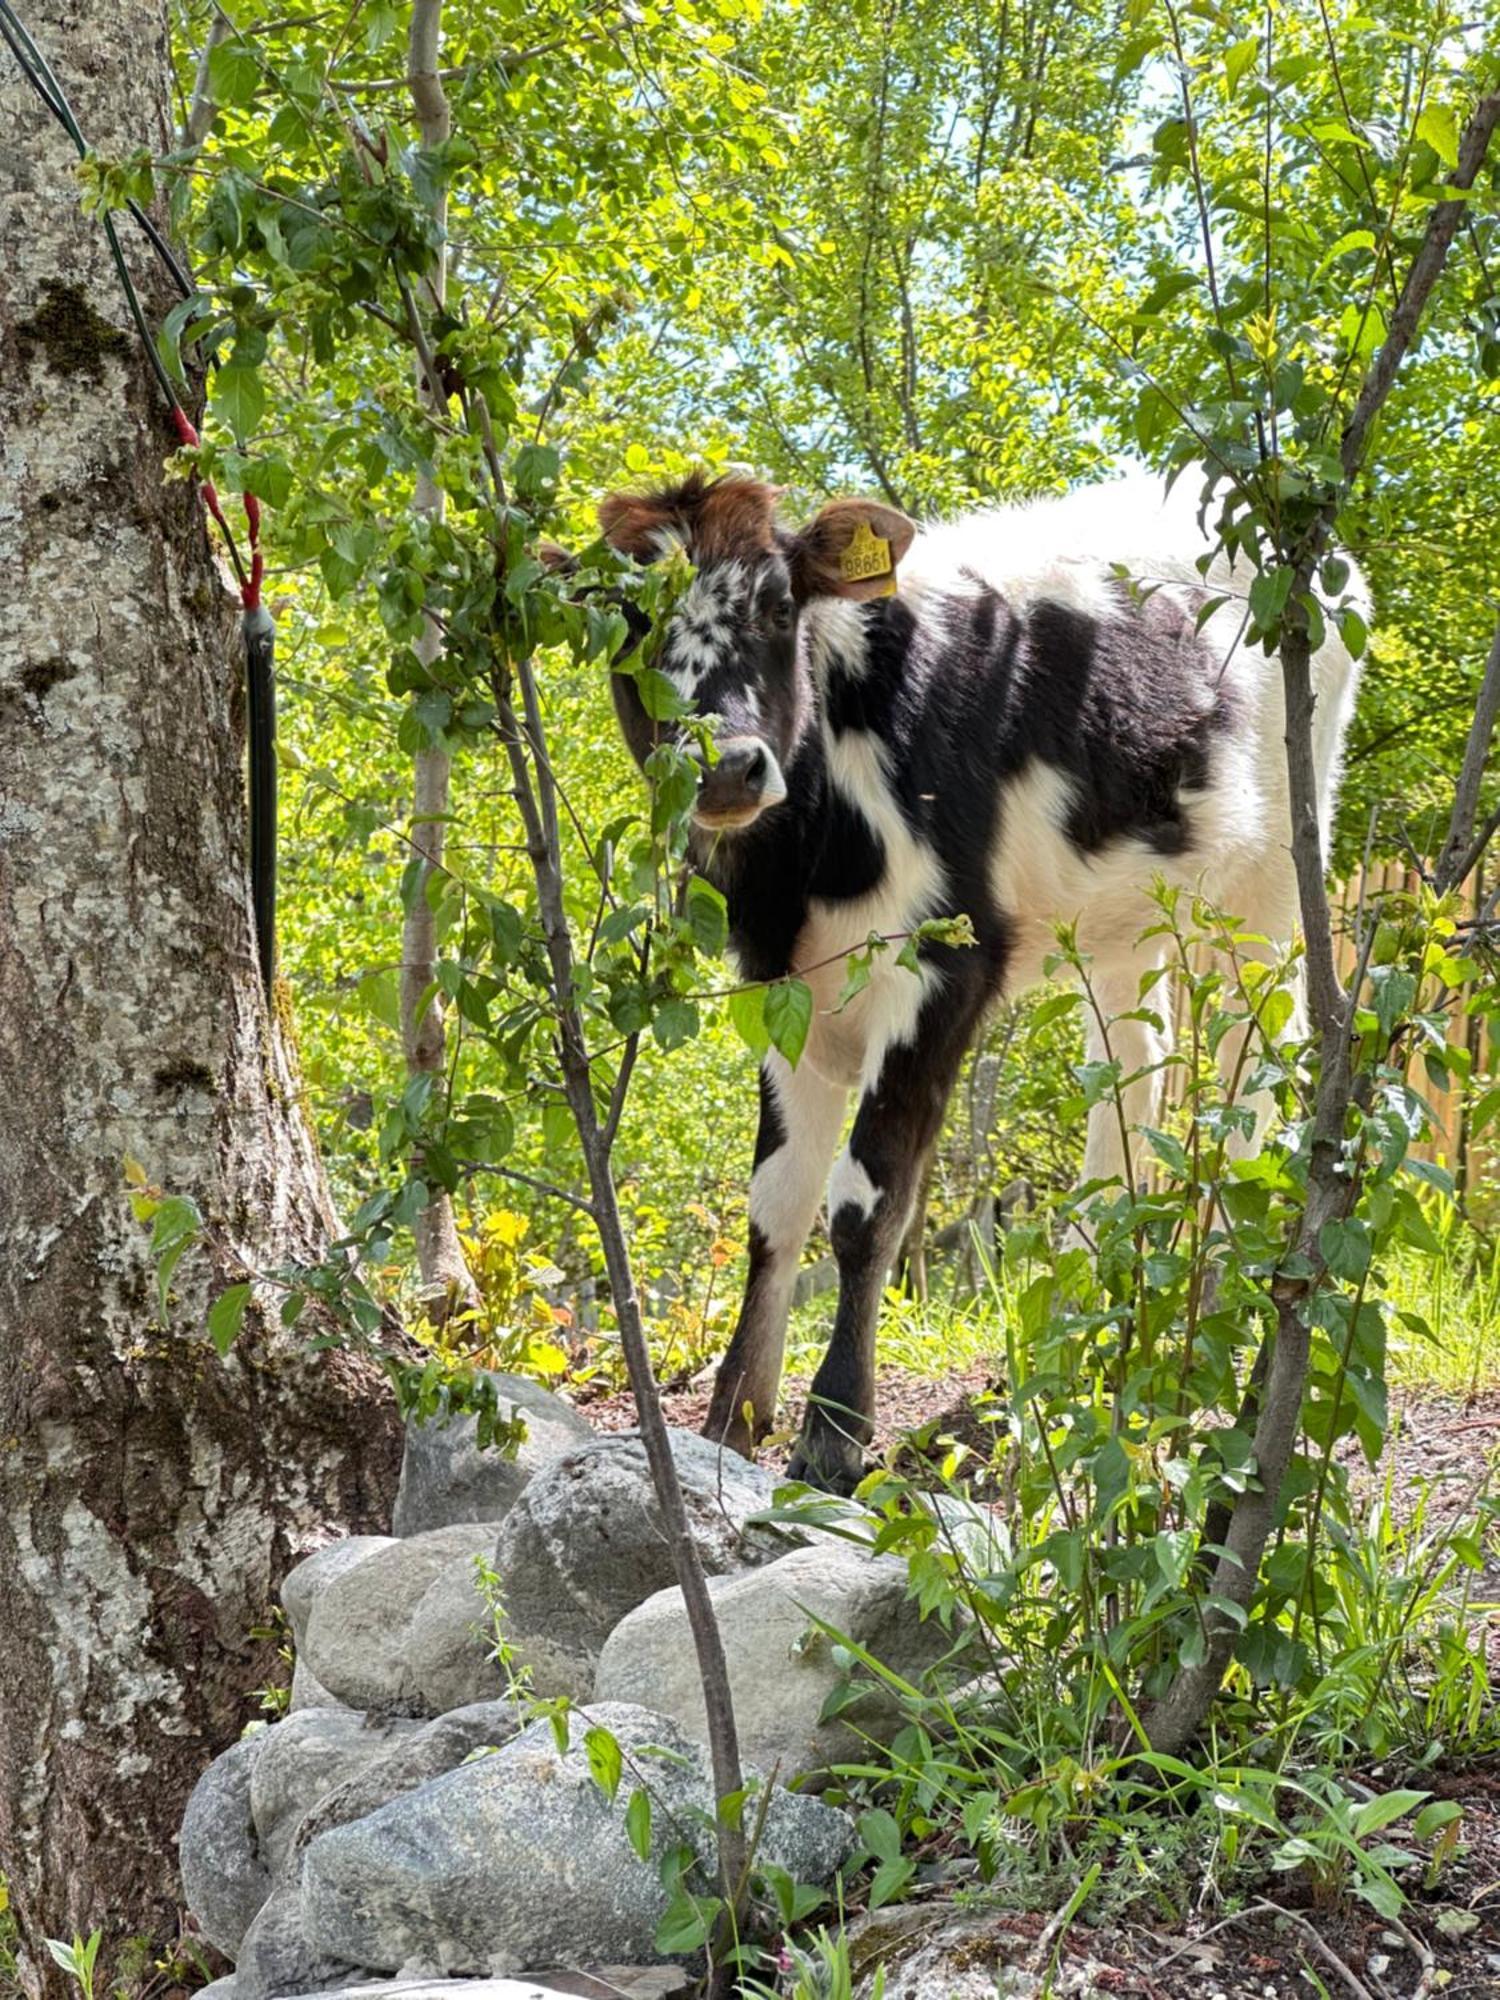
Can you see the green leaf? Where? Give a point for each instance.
(675, 1023)
(605, 1760)
(708, 913)
(233, 73)
(1238, 58)
(1345, 1247)
(687, 1924)
(1354, 632)
(638, 1823)
(238, 399)
(226, 1316)
(788, 1015)
(1269, 591)
(747, 1013)
(1439, 127)
(1378, 1812)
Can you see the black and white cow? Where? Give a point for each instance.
(1012, 733)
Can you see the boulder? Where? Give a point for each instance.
(519, 1860)
(584, 1544)
(357, 1628)
(448, 1650)
(303, 1759)
(276, 1957)
(224, 1879)
(301, 1586)
(308, 1691)
(437, 1989)
(410, 1760)
(781, 1664)
(445, 1477)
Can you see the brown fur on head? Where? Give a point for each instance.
(715, 519)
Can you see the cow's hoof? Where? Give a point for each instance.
(831, 1462)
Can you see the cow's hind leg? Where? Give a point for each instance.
(801, 1116)
(869, 1204)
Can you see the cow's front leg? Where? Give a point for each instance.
(869, 1205)
(801, 1116)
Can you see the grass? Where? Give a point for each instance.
(1455, 1295)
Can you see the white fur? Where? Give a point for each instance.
(787, 1186)
(850, 1186)
(849, 1046)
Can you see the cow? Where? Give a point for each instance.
(1024, 716)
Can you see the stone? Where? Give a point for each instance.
(584, 1544)
(942, 1952)
(301, 1586)
(448, 1649)
(411, 1760)
(308, 1691)
(445, 1477)
(781, 1665)
(355, 1642)
(277, 1958)
(435, 1989)
(519, 1860)
(217, 1989)
(224, 1879)
(305, 1757)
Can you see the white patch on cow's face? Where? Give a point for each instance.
(704, 626)
(850, 1186)
(849, 1045)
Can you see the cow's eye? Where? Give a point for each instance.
(777, 613)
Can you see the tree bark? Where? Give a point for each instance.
(151, 1496)
(442, 1266)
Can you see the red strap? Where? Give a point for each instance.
(249, 586)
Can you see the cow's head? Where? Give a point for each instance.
(732, 647)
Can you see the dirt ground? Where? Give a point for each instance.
(1449, 1941)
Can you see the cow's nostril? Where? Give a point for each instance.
(755, 768)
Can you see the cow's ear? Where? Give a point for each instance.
(850, 549)
(637, 524)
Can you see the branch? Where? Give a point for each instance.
(1442, 226)
(1174, 1720)
(1460, 850)
(200, 111)
(525, 749)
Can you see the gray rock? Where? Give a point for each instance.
(308, 1691)
(217, 1989)
(224, 1879)
(584, 1544)
(276, 1957)
(448, 1649)
(445, 1477)
(304, 1758)
(412, 1760)
(436, 1989)
(357, 1627)
(939, 1952)
(301, 1586)
(518, 1861)
(781, 1665)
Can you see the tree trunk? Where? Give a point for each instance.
(151, 1495)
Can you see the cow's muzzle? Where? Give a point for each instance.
(738, 788)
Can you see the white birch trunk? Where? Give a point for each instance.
(150, 1495)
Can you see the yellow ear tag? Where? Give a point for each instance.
(867, 554)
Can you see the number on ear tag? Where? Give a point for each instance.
(866, 555)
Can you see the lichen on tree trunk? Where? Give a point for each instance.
(150, 1495)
